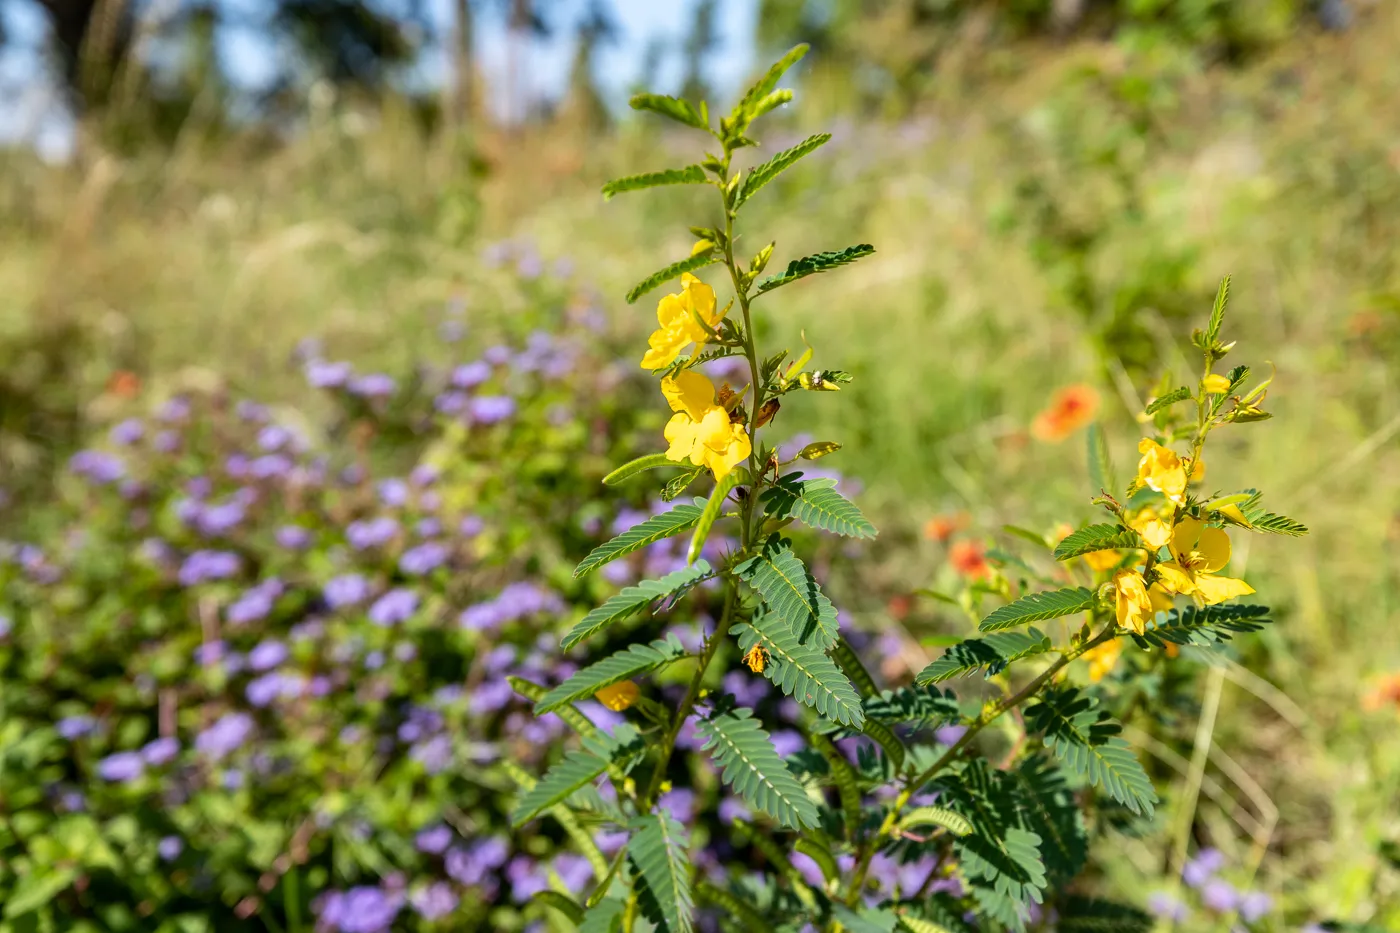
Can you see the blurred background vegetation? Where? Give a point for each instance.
(1055, 187)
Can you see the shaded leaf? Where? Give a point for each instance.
(1086, 739)
(658, 857)
(1090, 915)
(1179, 394)
(690, 175)
(994, 652)
(1101, 473)
(710, 514)
(1202, 625)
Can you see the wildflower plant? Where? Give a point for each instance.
(893, 814)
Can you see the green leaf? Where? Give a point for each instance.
(680, 483)
(1097, 538)
(791, 592)
(634, 599)
(1202, 625)
(820, 854)
(936, 816)
(639, 536)
(1000, 859)
(730, 904)
(624, 665)
(844, 777)
(657, 853)
(578, 769)
(919, 925)
(1086, 739)
(570, 714)
(1037, 607)
(35, 889)
(886, 739)
(993, 652)
(562, 903)
(800, 670)
(817, 262)
(1275, 524)
(864, 919)
(603, 917)
(752, 767)
(713, 507)
(919, 707)
(640, 465)
(682, 111)
(761, 175)
(1089, 915)
(1047, 808)
(850, 665)
(817, 504)
(744, 111)
(673, 271)
(1217, 311)
(690, 175)
(1100, 460)
(1179, 394)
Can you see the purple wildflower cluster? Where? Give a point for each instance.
(1202, 877)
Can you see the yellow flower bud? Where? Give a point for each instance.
(619, 696)
(1215, 385)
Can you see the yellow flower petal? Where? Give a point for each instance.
(1200, 548)
(1103, 658)
(681, 434)
(1161, 469)
(689, 392)
(619, 696)
(1161, 599)
(1215, 385)
(1152, 528)
(1102, 560)
(1212, 589)
(1173, 579)
(1133, 605)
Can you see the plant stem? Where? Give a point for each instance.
(990, 715)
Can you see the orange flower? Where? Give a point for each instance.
(969, 559)
(899, 606)
(941, 527)
(1386, 693)
(124, 384)
(1070, 409)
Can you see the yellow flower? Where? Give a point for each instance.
(676, 314)
(701, 430)
(619, 696)
(1102, 560)
(1215, 385)
(1134, 606)
(1200, 551)
(1161, 469)
(1103, 658)
(1152, 528)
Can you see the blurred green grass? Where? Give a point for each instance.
(1285, 174)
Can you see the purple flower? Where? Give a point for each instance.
(263, 690)
(6, 626)
(573, 870)
(1164, 905)
(526, 878)
(393, 607)
(1197, 871)
(471, 375)
(270, 466)
(451, 403)
(256, 603)
(786, 742)
(732, 809)
(169, 848)
(210, 652)
(681, 803)
(176, 409)
(434, 755)
(274, 437)
(160, 751)
(323, 375)
(1254, 905)
(225, 736)
(434, 840)
(1219, 895)
(491, 409)
(216, 520)
(345, 590)
(435, 901)
(428, 527)
(471, 526)
(127, 432)
(393, 491)
(374, 385)
(360, 910)
(293, 537)
(424, 558)
(492, 696)
(370, 533)
(949, 735)
(123, 766)
(481, 617)
(267, 655)
(202, 566)
(72, 727)
(97, 466)
(166, 441)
